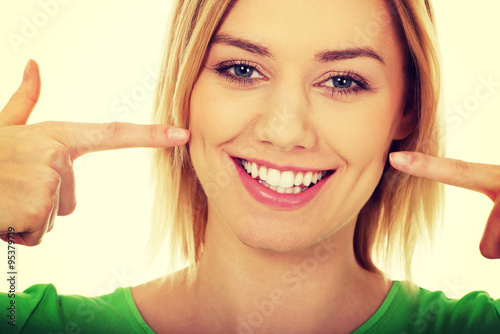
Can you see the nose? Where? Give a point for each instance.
(286, 120)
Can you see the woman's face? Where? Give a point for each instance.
(296, 89)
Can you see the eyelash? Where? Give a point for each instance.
(222, 70)
(361, 84)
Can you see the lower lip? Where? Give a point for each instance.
(274, 199)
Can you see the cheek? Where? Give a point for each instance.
(220, 116)
(362, 133)
(216, 118)
(215, 115)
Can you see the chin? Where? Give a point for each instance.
(274, 239)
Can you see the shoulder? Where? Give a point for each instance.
(424, 311)
(166, 304)
(41, 308)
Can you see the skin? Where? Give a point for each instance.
(322, 130)
(350, 133)
(250, 248)
(254, 251)
(37, 181)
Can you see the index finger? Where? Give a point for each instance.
(483, 178)
(83, 138)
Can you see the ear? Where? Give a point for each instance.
(407, 124)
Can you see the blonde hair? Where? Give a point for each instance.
(403, 209)
(399, 211)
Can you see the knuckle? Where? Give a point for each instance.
(59, 157)
(21, 96)
(35, 242)
(425, 159)
(37, 138)
(67, 208)
(48, 127)
(39, 214)
(51, 179)
(44, 209)
(460, 166)
(113, 129)
(153, 132)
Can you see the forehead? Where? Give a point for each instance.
(313, 25)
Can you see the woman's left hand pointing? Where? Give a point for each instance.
(482, 178)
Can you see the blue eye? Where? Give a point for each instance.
(240, 72)
(243, 71)
(342, 82)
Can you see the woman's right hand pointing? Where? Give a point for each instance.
(37, 181)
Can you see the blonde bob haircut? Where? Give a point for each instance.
(401, 211)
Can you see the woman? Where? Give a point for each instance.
(281, 109)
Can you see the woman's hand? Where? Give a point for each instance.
(37, 181)
(478, 177)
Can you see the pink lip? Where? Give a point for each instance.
(271, 198)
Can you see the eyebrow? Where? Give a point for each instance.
(242, 44)
(323, 56)
(333, 55)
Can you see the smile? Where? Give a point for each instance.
(284, 188)
(283, 182)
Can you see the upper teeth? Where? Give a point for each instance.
(284, 179)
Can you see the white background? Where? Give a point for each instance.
(94, 53)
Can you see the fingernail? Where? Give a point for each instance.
(400, 158)
(177, 134)
(26, 74)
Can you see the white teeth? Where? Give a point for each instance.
(287, 182)
(314, 178)
(273, 177)
(281, 190)
(298, 179)
(307, 179)
(255, 171)
(286, 179)
(263, 173)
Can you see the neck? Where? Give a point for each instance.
(306, 291)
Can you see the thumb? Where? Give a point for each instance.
(21, 104)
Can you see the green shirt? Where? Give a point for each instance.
(39, 309)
